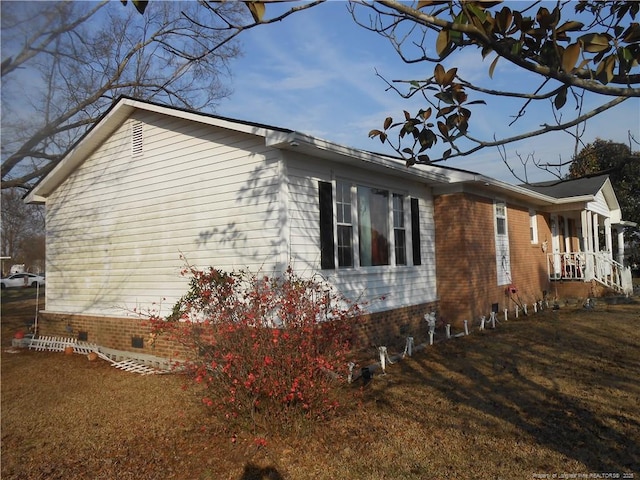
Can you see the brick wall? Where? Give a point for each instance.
(466, 263)
(108, 332)
(391, 328)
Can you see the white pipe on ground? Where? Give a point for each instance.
(350, 376)
(524, 309)
(517, 310)
(383, 351)
(466, 327)
(448, 329)
(506, 314)
(408, 349)
(482, 320)
(430, 338)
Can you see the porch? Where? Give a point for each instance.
(582, 244)
(588, 266)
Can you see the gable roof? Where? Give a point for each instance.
(570, 188)
(285, 139)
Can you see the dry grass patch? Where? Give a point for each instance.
(553, 393)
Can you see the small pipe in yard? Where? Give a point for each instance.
(524, 309)
(493, 319)
(448, 329)
(408, 349)
(482, 320)
(535, 307)
(384, 358)
(517, 310)
(430, 337)
(506, 316)
(466, 327)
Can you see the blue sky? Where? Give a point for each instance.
(315, 72)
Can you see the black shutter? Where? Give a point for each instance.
(327, 258)
(415, 231)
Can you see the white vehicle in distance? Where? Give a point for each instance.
(22, 280)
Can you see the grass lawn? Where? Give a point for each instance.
(555, 393)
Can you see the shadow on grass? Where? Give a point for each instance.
(255, 472)
(565, 387)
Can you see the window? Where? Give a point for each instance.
(373, 226)
(501, 218)
(533, 226)
(370, 226)
(345, 226)
(399, 232)
(503, 257)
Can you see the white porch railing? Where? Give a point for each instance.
(587, 266)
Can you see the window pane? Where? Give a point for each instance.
(398, 211)
(373, 226)
(343, 202)
(399, 234)
(345, 248)
(401, 247)
(501, 226)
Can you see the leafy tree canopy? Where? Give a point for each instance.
(621, 164)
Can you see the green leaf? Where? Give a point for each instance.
(445, 97)
(477, 12)
(561, 99)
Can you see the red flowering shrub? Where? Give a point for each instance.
(264, 349)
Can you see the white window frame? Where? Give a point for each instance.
(533, 226)
(503, 256)
(355, 226)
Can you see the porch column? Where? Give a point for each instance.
(607, 237)
(567, 238)
(587, 242)
(594, 233)
(585, 229)
(621, 244)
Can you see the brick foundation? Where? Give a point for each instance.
(125, 334)
(389, 328)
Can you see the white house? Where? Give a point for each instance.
(149, 184)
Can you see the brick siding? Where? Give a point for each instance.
(466, 263)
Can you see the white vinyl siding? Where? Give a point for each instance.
(386, 286)
(116, 228)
